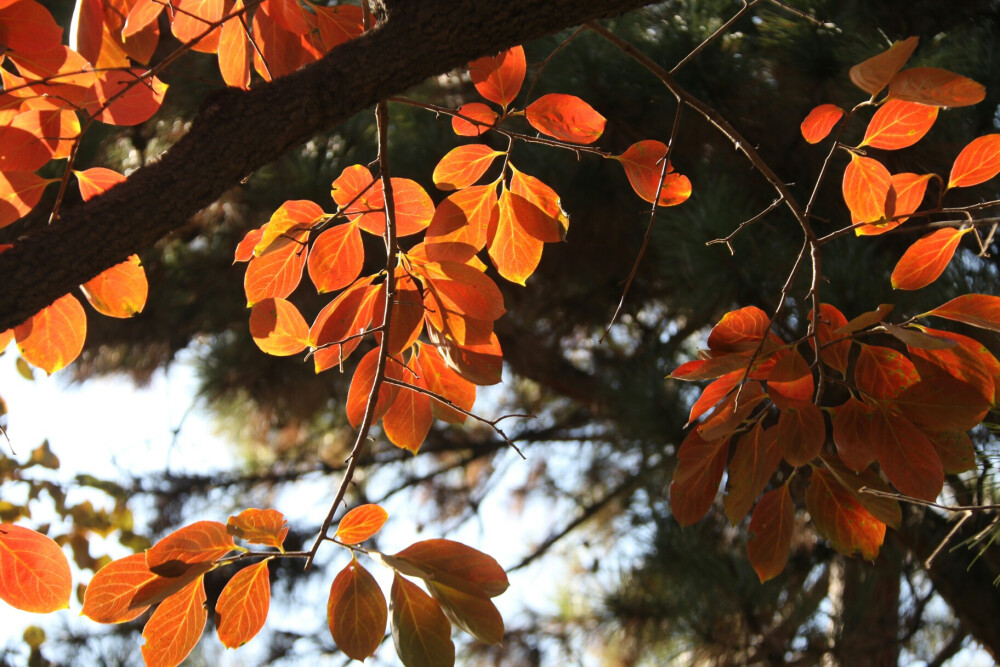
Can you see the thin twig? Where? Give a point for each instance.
(746, 223)
(542, 65)
(801, 14)
(927, 503)
(724, 28)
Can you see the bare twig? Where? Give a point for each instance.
(746, 223)
(542, 65)
(723, 29)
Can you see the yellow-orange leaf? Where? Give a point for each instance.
(53, 337)
(356, 612)
(700, 464)
(361, 387)
(840, 518)
(498, 78)
(898, 124)
(445, 382)
(483, 116)
(935, 87)
(643, 164)
(515, 252)
(978, 162)
(874, 74)
(291, 217)
(234, 51)
(257, 526)
(96, 181)
(927, 258)
(34, 572)
(464, 165)
(119, 291)
(278, 328)
(199, 542)
(175, 627)
(409, 418)
(565, 117)
(361, 523)
(465, 217)
(19, 193)
(243, 605)
(866, 187)
(276, 273)
(771, 533)
(905, 194)
(420, 630)
(819, 122)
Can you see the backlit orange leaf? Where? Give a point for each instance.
(515, 252)
(464, 289)
(700, 464)
(882, 372)
(420, 630)
(27, 26)
(445, 382)
(6, 336)
(541, 212)
(125, 97)
(336, 258)
(409, 419)
(234, 51)
(819, 122)
(969, 361)
(362, 199)
(852, 427)
(278, 328)
(96, 181)
(833, 351)
(58, 129)
(23, 151)
(407, 315)
(790, 380)
(565, 117)
(874, 74)
(347, 315)
(476, 615)
(361, 523)
(337, 24)
(886, 510)
(840, 518)
(361, 386)
(927, 258)
(119, 291)
(906, 192)
(53, 337)
(19, 193)
(479, 363)
(757, 457)
(866, 187)
(276, 273)
(713, 393)
(244, 249)
(739, 330)
(801, 432)
(978, 310)
(465, 217)
(34, 572)
(731, 414)
(278, 51)
(709, 368)
(936, 87)
(898, 124)
(498, 78)
(906, 454)
(457, 565)
(771, 533)
(257, 526)
(175, 627)
(943, 403)
(193, 18)
(142, 14)
(643, 164)
(290, 15)
(476, 111)
(977, 163)
(290, 218)
(462, 166)
(199, 542)
(243, 605)
(356, 612)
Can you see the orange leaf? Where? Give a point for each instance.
(407, 315)
(771, 533)
(739, 331)
(479, 363)
(874, 74)
(907, 456)
(119, 291)
(977, 163)
(142, 14)
(96, 181)
(714, 393)
(840, 518)
(886, 510)
(34, 572)
(465, 217)
(244, 249)
(935, 87)
(283, 228)
(356, 612)
(53, 337)
(57, 129)
(176, 626)
(5, 336)
(477, 616)
(125, 97)
(882, 372)
(643, 164)
(700, 464)
(361, 387)
(710, 368)
(409, 418)
(28, 26)
(337, 24)
(243, 605)
(278, 328)
(362, 199)
(22, 150)
(420, 631)
(801, 432)
(336, 258)
(257, 526)
(462, 166)
(498, 78)
(565, 117)
(866, 187)
(445, 382)
(819, 122)
(943, 403)
(199, 542)
(515, 251)
(906, 192)
(484, 116)
(361, 523)
(19, 193)
(234, 51)
(464, 289)
(852, 428)
(458, 566)
(277, 273)
(540, 212)
(969, 361)
(790, 380)
(757, 457)
(730, 415)
(834, 352)
(898, 124)
(927, 258)
(347, 315)
(279, 51)
(978, 310)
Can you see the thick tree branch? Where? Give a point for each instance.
(237, 133)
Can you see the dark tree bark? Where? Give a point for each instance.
(237, 133)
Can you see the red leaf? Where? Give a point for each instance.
(935, 87)
(757, 457)
(866, 187)
(898, 124)
(882, 372)
(852, 428)
(445, 382)
(977, 163)
(833, 350)
(19, 193)
(771, 533)
(840, 518)
(278, 328)
(465, 217)
(886, 510)
(874, 74)
(409, 419)
(565, 117)
(243, 605)
(514, 250)
(234, 51)
(277, 273)
(730, 415)
(463, 166)
(643, 164)
(175, 627)
(498, 78)
(34, 572)
(361, 387)
(484, 116)
(714, 393)
(336, 258)
(969, 361)
(978, 310)
(739, 331)
(907, 456)
(356, 612)
(943, 403)
(905, 195)
(199, 542)
(819, 122)
(801, 432)
(420, 631)
(700, 464)
(790, 381)
(361, 523)
(458, 566)
(53, 337)
(256, 526)
(477, 616)
(926, 259)
(96, 181)
(125, 97)
(119, 291)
